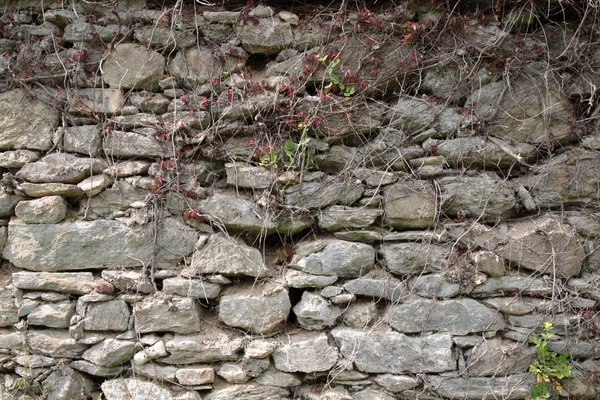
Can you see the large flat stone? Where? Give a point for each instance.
(512, 387)
(67, 282)
(165, 313)
(410, 205)
(306, 353)
(110, 352)
(61, 168)
(205, 347)
(414, 258)
(103, 101)
(26, 123)
(334, 258)
(391, 352)
(106, 316)
(131, 66)
(54, 343)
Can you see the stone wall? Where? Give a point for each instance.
(276, 202)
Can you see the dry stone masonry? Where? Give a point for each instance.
(366, 200)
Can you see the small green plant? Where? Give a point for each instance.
(297, 153)
(346, 90)
(550, 368)
(269, 157)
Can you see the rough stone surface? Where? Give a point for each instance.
(390, 352)
(410, 205)
(56, 315)
(268, 37)
(110, 352)
(512, 387)
(131, 66)
(67, 282)
(337, 218)
(413, 258)
(164, 313)
(309, 353)
(428, 315)
(17, 158)
(86, 139)
(195, 66)
(61, 168)
(334, 258)
(66, 383)
(106, 316)
(47, 210)
(54, 343)
(26, 123)
(194, 288)
(201, 349)
(249, 391)
(313, 312)
(258, 311)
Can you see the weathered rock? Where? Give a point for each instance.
(249, 391)
(511, 387)
(544, 245)
(269, 36)
(8, 202)
(110, 352)
(306, 353)
(413, 114)
(337, 218)
(80, 31)
(132, 144)
(298, 279)
(17, 158)
(8, 308)
(127, 168)
(278, 378)
(396, 383)
(131, 66)
(378, 285)
(489, 263)
(391, 352)
(129, 280)
(216, 346)
(11, 340)
(86, 139)
(430, 315)
(68, 282)
(47, 210)
(432, 286)
(498, 357)
(227, 256)
(255, 310)
(67, 384)
(233, 373)
(413, 258)
(507, 285)
(54, 315)
(313, 312)
(318, 195)
(164, 38)
(410, 205)
(123, 194)
(50, 189)
(103, 101)
(35, 361)
(164, 313)
(155, 371)
(247, 176)
(106, 316)
(194, 288)
(54, 343)
(96, 370)
(195, 66)
(511, 305)
(134, 389)
(360, 314)
(48, 247)
(371, 393)
(94, 184)
(60, 167)
(26, 123)
(195, 376)
(150, 353)
(334, 258)
(485, 196)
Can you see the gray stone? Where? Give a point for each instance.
(360, 315)
(498, 357)
(318, 195)
(270, 36)
(378, 285)
(259, 348)
(80, 31)
(194, 288)
(489, 263)
(110, 352)
(233, 373)
(25, 123)
(338, 159)
(586, 224)
(132, 144)
(150, 353)
(258, 311)
(129, 280)
(278, 378)
(433, 286)
(155, 371)
(103, 101)
(131, 66)
(413, 114)
(164, 313)
(46, 210)
(396, 383)
(60, 167)
(96, 370)
(164, 38)
(122, 195)
(544, 245)
(247, 176)
(206, 347)
(248, 391)
(507, 285)
(375, 178)
(227, 256)
(468, 316)
(35, 361)
(410, 205)
(50, 189)
(134, 389)
(107, 316)
(8, 203)
(55, 315)
(414, 258)
(127, 168)
(151, 103)
(94, 184)
(195, 66)
(305, 353)
(371, 393)
(511, 305)
(86, 139)
(195, 376)
(222, 17)
(485, 196)
(391, 352)
(11, 340)
(337, 218)
(359, 236)
(512, 387)
(313, 312)
(67, 282)
(54, 343)
(299, 280)
(67, 384)
(17, 158)
(8, 307)
(334, 258)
